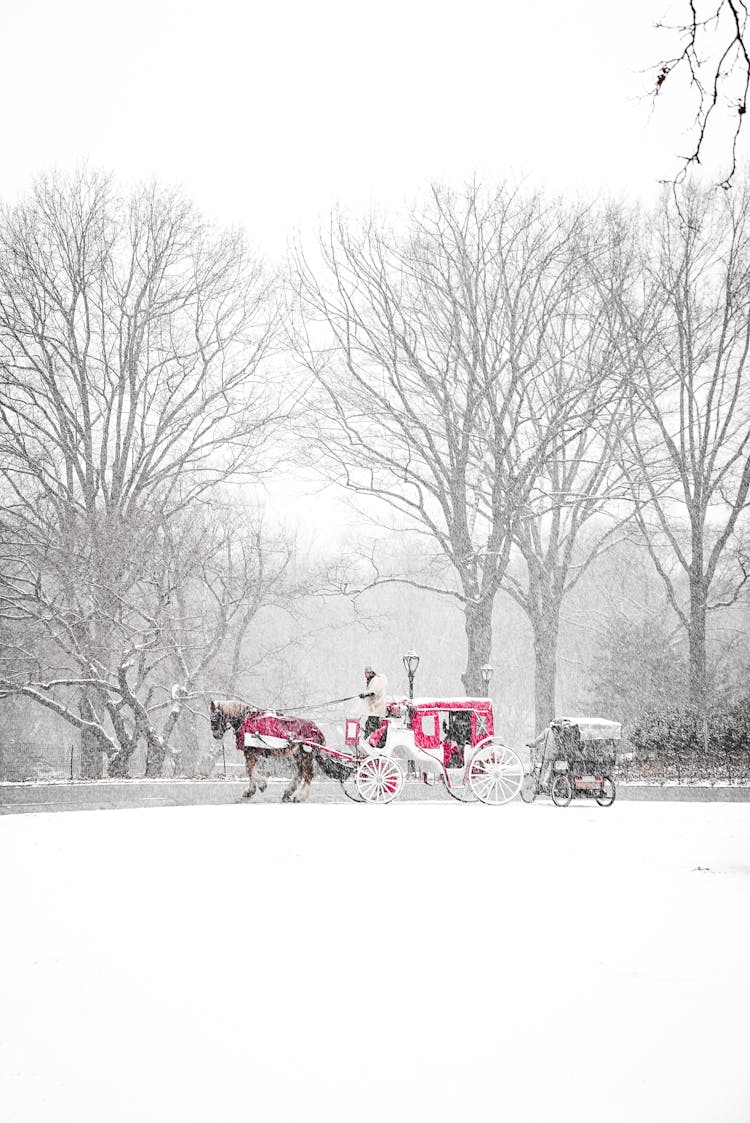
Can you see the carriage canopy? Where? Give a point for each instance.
(459, 721)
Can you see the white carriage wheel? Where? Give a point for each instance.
(462, 791)
(349, 787)
(379, 779)
(495, 774)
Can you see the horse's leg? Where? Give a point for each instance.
(299, 788)
(290, 792)
(300, 783)
(251, 759)
(307, 770)
(261, 783)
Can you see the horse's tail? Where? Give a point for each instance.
(330, 767)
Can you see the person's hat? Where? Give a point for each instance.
(369, 667)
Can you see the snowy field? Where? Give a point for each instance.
(422, 962)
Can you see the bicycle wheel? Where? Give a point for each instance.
(608, 793)
(562, 791)
(529, 789)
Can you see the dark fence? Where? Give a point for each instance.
(57, 761)
(28, 761)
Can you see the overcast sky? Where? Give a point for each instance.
(266, 113)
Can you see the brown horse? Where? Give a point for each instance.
(263, 733)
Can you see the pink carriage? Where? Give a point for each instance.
(447, 741)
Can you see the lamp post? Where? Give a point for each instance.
(411, 662)
(487, 673)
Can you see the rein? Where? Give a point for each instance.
(318, 705)
(295, 709)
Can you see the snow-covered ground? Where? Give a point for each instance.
(422, 962)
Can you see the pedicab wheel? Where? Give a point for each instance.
(495, 774)
(562, 791)
(607, 797)
(529, 789)
(379, 779)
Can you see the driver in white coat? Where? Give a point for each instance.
(373, 703)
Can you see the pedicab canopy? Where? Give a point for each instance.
(591, 728)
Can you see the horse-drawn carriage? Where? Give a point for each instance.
(441, 741)
(448, 741)
(574, 758)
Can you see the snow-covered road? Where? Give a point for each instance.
(415, 962)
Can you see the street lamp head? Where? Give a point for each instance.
(411, 662)
(487, 673)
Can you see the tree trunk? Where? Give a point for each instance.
(543, 606)
(545, 672)
(156, 752)
(92, 755)
(187, 758)
(697, 645)
(478, 623)
(119, 763)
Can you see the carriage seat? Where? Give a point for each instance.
(377, 739)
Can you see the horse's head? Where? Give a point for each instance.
(219, 720)
(227, 714)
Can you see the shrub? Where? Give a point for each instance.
(680, 731)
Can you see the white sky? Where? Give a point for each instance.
(266, 113)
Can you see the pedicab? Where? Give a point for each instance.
(447, 742)
(574, 758)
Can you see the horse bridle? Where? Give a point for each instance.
(220, 721)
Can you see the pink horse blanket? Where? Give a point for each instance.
(264, 729)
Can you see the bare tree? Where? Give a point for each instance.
(685, 346)
(574, 511)
(429, 348)
(710, 57)
(202, 582)
(572, 518)
(133, 348)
